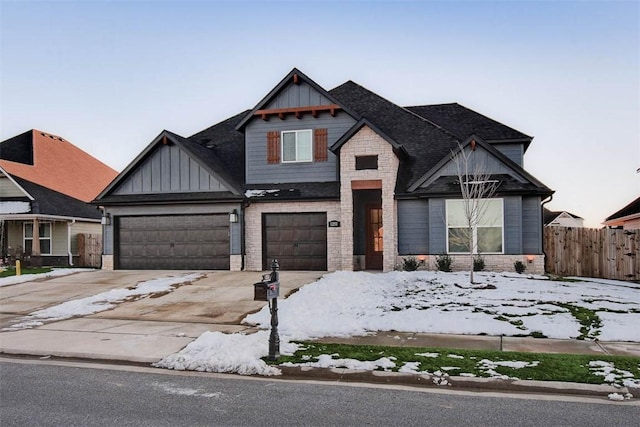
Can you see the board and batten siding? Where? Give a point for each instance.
(532, 225)
(413, 227)
(298, 95)
(489, 163)
(515, 152)
(169, 169)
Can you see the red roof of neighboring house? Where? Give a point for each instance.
(55, 163)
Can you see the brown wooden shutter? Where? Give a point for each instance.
(273, 147)
(320, 145)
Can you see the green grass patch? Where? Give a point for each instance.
(589, 320)
(11, 271)
(550, 367)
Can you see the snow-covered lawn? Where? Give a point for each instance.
(56, 272)
(102, 301)
(356, 303)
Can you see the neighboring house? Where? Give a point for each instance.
(627, 218)
(562, 219)
(321, 180)
(45, 184)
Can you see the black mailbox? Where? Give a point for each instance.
(267, 289)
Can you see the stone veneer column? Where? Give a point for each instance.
(367, 143)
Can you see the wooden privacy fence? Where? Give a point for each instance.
(90, 250)
(591, 252)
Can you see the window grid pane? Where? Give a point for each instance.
(303, 146)
(288, 146)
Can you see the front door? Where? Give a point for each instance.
(374, 237)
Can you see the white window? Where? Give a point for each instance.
(44, 233)
(487, 235)
(296, 146)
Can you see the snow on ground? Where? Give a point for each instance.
(218, 352)
(356, 303)
(347, 304)
(102, 301)
(56, 272)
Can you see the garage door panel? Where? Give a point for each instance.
(297, 240)
(174, 242)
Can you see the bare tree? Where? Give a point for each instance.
(476, 184)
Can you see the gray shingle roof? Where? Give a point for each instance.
(450, 186)
(630, 209)
(424, 142)
(295, 191)
(227, 144)
(464, 122)
(18, 149)
(50, 202)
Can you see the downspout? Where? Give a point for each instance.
(544, 202)
(69, 225)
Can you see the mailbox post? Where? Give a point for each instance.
(269, 290)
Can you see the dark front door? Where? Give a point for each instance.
(297, 240)
(374, 237)
(180, 242)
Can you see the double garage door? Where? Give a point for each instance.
(297, 240)
(174, 242)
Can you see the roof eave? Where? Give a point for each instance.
(284, 82)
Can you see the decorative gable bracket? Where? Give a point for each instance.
(297, 111)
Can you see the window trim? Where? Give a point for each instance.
(296, 132)
(25, 238)
(475, 229)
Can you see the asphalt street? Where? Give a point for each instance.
(49, 393)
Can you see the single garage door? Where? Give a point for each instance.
(297, 240)
(174, 242)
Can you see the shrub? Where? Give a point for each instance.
(478, 263)
(410, 263)
(519, 266)
(443, 261)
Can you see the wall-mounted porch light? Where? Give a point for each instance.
(233, 216)
(106, 219)
(530, 258)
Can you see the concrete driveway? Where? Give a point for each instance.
(221, 297)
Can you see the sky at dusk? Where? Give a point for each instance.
(110, 76)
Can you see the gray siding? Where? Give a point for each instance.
(9, 189)
(522, 226)
(514, 152)
(487, 163)
(532, 225)
(437, 226)
(259, 171)
(298, 95)
(512, 225)
(413, 227)
(169, 169)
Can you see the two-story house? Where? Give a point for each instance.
(322, 180)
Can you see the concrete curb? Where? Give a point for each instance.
(380, 377)
(454, 382)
